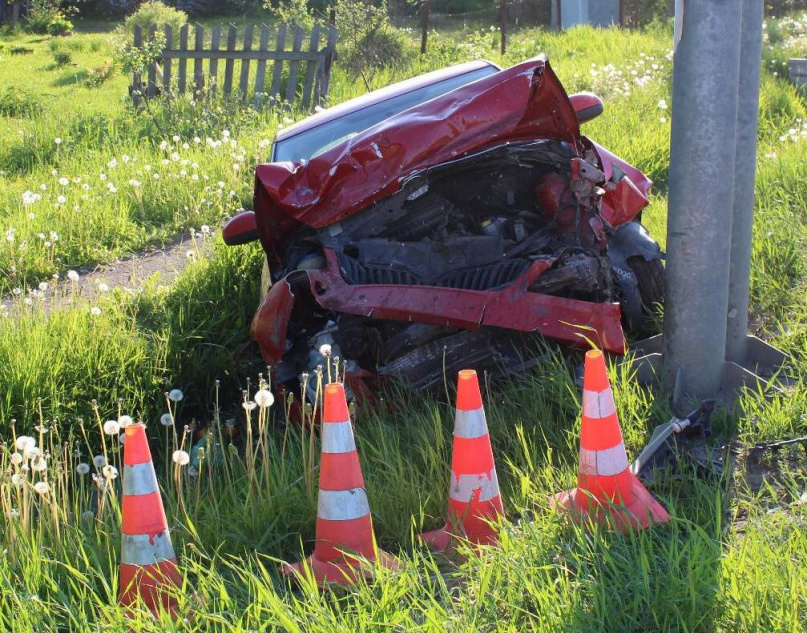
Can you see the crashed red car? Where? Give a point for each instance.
(449, 233)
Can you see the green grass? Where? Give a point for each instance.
(733, 558)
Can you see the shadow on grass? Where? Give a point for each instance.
(72, 79)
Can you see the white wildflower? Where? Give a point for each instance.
(110, 472)
(264, 398)
(95, 311)
(175, 395)
(72, 275)
(83, 469)
(249, 406)
(16, 459)
(99, 461)
(111, 427)
(39, 464)
(24, 442)
(64, 181)
(102, 287)
(325, 350)
(166, 419)
(18, 480)
(125, 420)
(42, 487)
(181, 458)
(57, 140)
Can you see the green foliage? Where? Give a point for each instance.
(368, 42)
(48, 17)
(290, 12)
(19, 102)
(153, 13)
(100, 74)
(62, 58)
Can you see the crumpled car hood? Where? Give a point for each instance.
(526, 101)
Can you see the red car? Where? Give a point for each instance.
(442, 222)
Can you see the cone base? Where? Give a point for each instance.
(344, 573)
(439, 540)
(643, 512)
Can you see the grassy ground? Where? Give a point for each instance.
(732, 558)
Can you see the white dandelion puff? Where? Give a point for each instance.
(181, 458)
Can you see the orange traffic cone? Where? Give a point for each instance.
(148, 565)
(474, 498)
(344, 527)
(606, 489)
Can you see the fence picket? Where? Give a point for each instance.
(198, 70)
(137, 82)
(277, 71)
(169, 39)
(214, 60)
(232, 36)
(324, 72)
(260, 72)
(243, 85)
(183, 62)
(151, 88)
(294, 65)
(313, 85)
(310, 68)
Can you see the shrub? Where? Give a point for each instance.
(62, 58)
(100, 74)
(48, 17)
(154, 13)
(369, 41)
(18, 102)
(59, 25)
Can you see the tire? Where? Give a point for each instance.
(652, 290)
(266, 280)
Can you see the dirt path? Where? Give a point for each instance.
(131, 274)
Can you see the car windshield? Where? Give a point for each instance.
(315, 141)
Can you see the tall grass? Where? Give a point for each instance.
(732, 558)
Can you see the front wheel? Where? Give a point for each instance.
(651, 281)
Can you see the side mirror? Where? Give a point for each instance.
(587, 105)
(241, 229)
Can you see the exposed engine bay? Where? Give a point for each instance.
(524, 212)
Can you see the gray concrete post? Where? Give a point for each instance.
(704, 123)
(744, 172)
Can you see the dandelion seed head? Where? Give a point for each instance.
(175, 395)
(250, 405)
(42, 487)
(72, 275)
(110, 472)
(111, 427)
(16, 459)
(181, 458)
(95, 311)
(39, 464)
(99, 461)
(165, 419)
(83, 469)
(18, 480)
(264, 398)
(125, 420)
(325, 350)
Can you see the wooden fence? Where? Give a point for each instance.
(307, 79)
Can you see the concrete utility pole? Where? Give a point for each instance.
(744, 172)
(704, 124)
(705, 350)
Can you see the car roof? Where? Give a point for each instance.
(383, 94)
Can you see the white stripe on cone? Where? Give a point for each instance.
(146, 549)
(337, 437)
(342, 505)
(139, 479)
(470, 424)
(607, 462)
(464, 486)
(598, 404)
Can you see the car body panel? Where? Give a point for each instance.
(524, 102)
